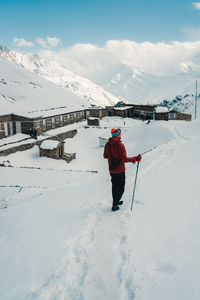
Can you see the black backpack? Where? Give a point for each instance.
(114, 161)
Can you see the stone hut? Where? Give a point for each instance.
(92, 121)
(55, 149)
(52, 149)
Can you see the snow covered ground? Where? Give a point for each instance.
(60, 241)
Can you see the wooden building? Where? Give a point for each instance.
(145, 112)
(161, 113)
(45, 120)
(12, 124)
(131, 111)
(123, 111)
(176, 115)
(96, 112)
(44, 123)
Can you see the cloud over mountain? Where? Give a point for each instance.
(147, 71)
(21, 42)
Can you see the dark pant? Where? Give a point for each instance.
(118, 184)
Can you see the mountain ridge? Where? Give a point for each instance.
(60, 75)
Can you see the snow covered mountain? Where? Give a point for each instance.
(60, 76)
(22, 91)
(181, 103)
(139, 86)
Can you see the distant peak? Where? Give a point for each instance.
(4, 49)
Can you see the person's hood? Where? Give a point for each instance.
(114, 140)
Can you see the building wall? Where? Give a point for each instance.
(45, 124)
(94, 122)
(53, 153)
(161, 116)
(174, 115)
(50, 153)
(12, 124)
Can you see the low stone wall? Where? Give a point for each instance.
(64, 135)
(60, 136)
(17, 148)
(69, 156)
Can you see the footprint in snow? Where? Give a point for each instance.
(164, 268)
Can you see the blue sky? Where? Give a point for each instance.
(97, 21)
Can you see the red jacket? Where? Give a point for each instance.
(118, 151)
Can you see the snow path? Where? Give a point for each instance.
(89, 252)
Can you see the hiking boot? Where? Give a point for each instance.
(114, 208)
(120, 202)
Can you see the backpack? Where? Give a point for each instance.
(114, 161)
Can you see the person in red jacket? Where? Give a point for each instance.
(115, 152)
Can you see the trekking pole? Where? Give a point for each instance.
(135, 185)
(149, 150)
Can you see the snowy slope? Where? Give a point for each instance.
(140, 86)
(183, 104)
(22, 91)
(60, 76)
(60, 240)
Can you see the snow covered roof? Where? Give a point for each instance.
(94, 107)
(161, 109)
(123, 108)
(50, 144)
(51, 112)
(93, 118)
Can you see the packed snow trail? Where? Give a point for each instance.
(100, 262)
(64, 243)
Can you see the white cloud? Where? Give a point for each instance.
(53, 41)
(128, 56)
(20, 42)
(49, 42)
(42, 42)
(196, 5)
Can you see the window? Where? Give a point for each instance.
(48, 122)
(87, 114)
(1, 126)
(64, 118)
(53, 122)
(149, 113)
(71, 116)
(57, 119)
(37, 124)
(172, 116)
(44, 124)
